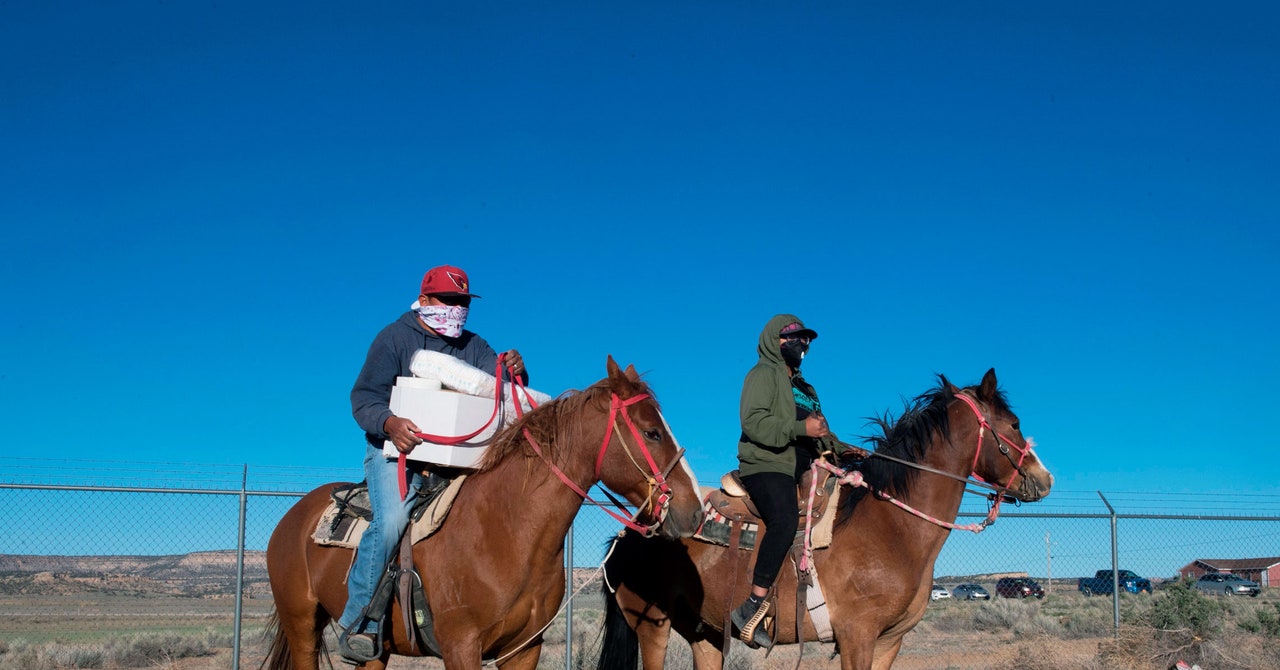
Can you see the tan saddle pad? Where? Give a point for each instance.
(341, 529)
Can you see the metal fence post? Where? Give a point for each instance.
(244, 499)
(1115, 570)
(568, 610)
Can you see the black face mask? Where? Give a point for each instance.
(793, 353)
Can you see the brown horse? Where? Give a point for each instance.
(493, 574)
(877, 572)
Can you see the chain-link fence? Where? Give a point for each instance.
(187, 558)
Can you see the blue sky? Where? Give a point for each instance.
(210, 209)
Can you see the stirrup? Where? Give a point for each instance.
(354, 656)
(751, 628)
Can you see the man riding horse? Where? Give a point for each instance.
(434, 323)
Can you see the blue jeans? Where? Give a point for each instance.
(390, 517)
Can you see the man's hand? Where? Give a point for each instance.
(514, 361)
(401, 431)
(815, 425)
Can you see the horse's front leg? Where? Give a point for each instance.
(653, 633)
(706, 654)
(857, 648)
(886, 651)
(460, 653)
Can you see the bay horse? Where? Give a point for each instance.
(878, 570)
(493, 574)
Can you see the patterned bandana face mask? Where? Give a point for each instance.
(447, 320)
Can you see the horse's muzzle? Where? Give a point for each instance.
(680, 523)
(1034, 485)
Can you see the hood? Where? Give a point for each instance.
(769, 349)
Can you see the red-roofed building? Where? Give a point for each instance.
(1264, 571)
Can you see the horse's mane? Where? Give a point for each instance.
(554, 423)
(908, 438)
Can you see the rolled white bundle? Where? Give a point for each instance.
(461, 377)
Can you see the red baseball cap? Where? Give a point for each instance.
(446, 280)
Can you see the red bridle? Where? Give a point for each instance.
(657, 480)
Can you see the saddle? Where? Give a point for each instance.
(346, 519)
(722, 507)
(731, 519)
(349, 512)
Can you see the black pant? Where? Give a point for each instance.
(775, 497)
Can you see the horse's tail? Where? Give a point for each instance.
(279, 656)
(620, 646)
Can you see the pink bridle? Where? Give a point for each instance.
(854, 477)
(1002, 442)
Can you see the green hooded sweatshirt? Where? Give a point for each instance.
(770, 431)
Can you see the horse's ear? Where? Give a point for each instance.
(947, 385)
(988, 386)
(632, 374)
(612, 367)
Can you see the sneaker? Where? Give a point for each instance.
(359, 648)
(749, 620)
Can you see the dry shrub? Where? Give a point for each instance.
(133, 651)
(1131, 650)
(947, 620)
(1183, 624)
(1021, 617)
(1048, 653)
(150, 648)
(1142, 647)
(22, 655)
(1092, 617)
(1263, 620)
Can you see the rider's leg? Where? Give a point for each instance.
(774, 495)
(390, 517)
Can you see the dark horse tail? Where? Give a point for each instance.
(620, 648)
(279, 655)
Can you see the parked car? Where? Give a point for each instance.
(970, 592)
(1100, 584)
(1227, 584)
(1018, 587)
(938, 593)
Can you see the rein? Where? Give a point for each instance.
(657, 480)
(657, 477)
(401, 460)
(854, 478)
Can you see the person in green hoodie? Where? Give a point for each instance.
(782, 425)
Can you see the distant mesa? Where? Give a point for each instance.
(205, 574)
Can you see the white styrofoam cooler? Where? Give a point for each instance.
(438, 411)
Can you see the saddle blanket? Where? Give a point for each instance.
(340, 526)
(716, 526)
